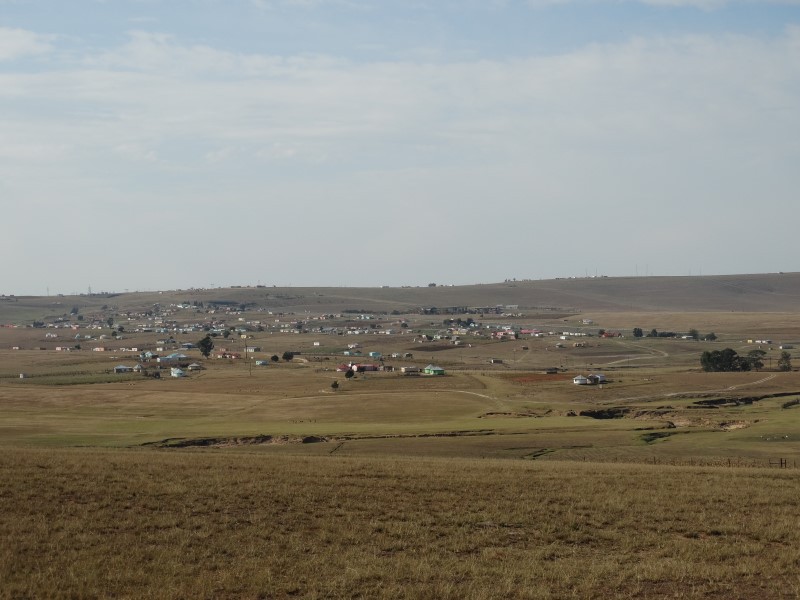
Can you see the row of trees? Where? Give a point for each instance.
(729, 360)
(693, 333)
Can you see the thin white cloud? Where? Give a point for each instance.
(306, 4)
(161, 53)
(146, 20)
(220, 155)
(18, 43)
(138, 152)
(153, 91)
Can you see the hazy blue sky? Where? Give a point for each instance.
(149, 144)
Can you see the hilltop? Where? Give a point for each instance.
(773, 292)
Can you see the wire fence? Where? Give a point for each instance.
(717, 462)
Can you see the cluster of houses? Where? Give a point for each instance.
(594, 379)
(407, 370)
(174, 371)
(227, 320)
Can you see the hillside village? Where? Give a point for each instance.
(156, 334)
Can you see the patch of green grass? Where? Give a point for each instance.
(77, 379)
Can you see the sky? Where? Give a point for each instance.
(159, 145)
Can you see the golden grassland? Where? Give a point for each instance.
(189, 524)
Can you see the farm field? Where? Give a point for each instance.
(270, 472)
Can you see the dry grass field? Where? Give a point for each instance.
(494, 480)
(188, 524)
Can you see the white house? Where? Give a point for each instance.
(175, 357)
(175, 372)
(580, 380)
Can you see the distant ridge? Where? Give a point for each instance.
(772, 292)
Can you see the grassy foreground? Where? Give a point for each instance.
(79, 523)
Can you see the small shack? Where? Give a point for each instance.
(580, 380)
(433, 370)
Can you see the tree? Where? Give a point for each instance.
(335, 385)
(349, 374)
(226, 334)
(755, 358)
(206, 345)
(694, 334)
(653, 333)
(785, 361)
(724, 360)
(637, 332)
(601, 332)
(110, 321)
(288, 356)
(710, 337)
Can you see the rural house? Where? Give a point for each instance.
(433, 370)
